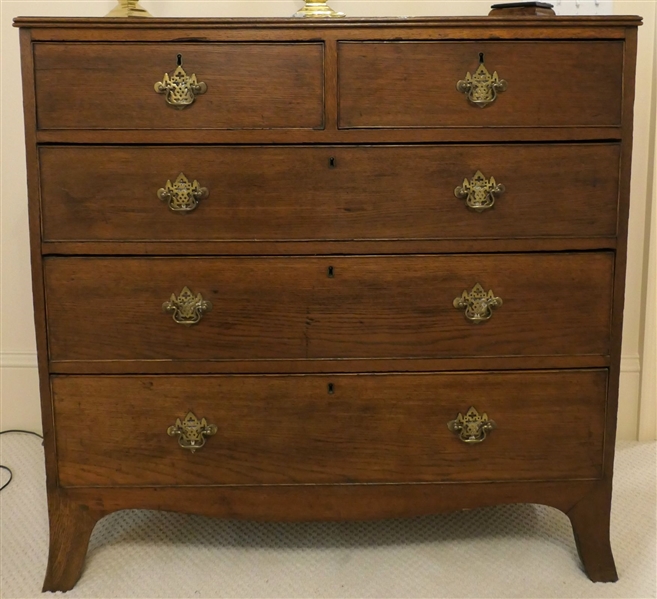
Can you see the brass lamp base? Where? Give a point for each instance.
(128, 8)
(318, 9)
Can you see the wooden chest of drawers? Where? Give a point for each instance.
(328, 270)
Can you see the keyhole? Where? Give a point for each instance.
(481, 58)
(331, 389)
(330, 272)
(179, 59)
(331, 162)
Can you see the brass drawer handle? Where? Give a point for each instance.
(479, 193)
(472, 428)
(477, 304)
(187, 308)
(182, 196)
(191, 431)
(180, 89)
(482, 88)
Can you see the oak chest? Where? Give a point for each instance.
(328, 270)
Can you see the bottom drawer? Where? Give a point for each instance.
(364, 428)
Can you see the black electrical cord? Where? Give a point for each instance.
(15, 430)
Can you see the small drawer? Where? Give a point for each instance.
(328, 308)
(329, 193)
(538, 84)
(269, 430)
(236, 86)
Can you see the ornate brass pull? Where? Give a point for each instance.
(478, 304)
(482, 88)
(182, 196)
(471, 428)
(191, 431)
(479, 193)
(180, 89)
(187, 308)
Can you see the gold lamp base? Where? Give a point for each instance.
(318, 9)
(128, 8)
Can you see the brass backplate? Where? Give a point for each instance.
(180, 89)
(479, 192)
(471, 428)
(191, 431)
(187, 308)
(482, 88)
(477, 304)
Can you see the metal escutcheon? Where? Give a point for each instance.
(471, 428)
(180, 89)
(183, 195)
(477, 304)
(481, 89)
(479, 193)
(191, 431)
(187, 308)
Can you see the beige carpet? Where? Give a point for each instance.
(509, 551)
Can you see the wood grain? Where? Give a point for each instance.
(372, 193)
(36, 258)
(386, 313)
(413, 84)
(71, 525)
(250, 86)
(292, 430)
(590, 519)
(386, 307)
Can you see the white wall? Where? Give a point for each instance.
(648, 403)
(639, 316)
(19, 404)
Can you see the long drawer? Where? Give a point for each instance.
(112, 86)
(329, 193)
(415, 84)
(329, 429)
(328, 307)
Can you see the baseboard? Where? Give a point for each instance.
(18, 360)
(630, 364)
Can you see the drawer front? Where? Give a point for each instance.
(329, 193)
(329, 307)
(111, 86)
(290, 429)
(414, 84)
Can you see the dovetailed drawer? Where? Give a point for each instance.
(257, 194)
(112, 86)
(294, 430)
(414, 84)
(328, 308)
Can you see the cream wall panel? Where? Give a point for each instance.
(19, 391)
(648, 393)
(636, 308)
(628, 394)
